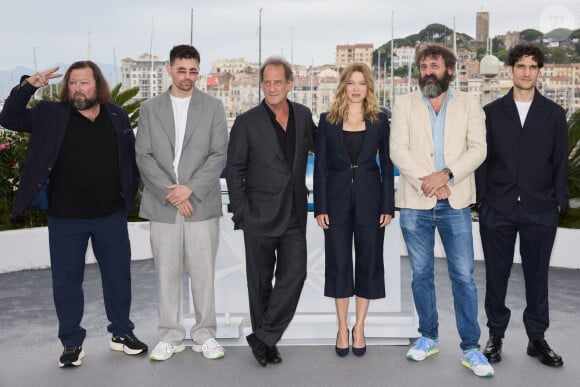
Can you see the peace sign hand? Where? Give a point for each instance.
(41, 79)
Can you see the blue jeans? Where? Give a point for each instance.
(418, 228)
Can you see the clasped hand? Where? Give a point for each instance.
(436, 184)
(179, 198)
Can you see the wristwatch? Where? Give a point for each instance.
(448, 172)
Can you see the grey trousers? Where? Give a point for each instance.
(194, 244)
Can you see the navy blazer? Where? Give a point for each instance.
(47, 122)
(261, 184)
(335, 179)
(529, 162)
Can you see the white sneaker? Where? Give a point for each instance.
(211, 349)
(423, 348)
(164, 351)
(477, 362)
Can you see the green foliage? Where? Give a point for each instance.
(574, 155)
(502, 55)
(125, 100)
(559, 34)
(559, 55)
(13, 146)
(531, 36)
(481, 52)
(575, 34)
(572, 220)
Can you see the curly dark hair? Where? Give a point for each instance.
(521, 50)
(436, 51)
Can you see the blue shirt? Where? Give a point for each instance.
(438, 128)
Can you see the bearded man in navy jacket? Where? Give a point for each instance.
(81, 161)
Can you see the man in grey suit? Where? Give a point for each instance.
(265, 172)
(181, 150)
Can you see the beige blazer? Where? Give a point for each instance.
(411, 148)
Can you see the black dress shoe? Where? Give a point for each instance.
(359, 351)
(259, 349)
(492, 349)
(342, 352)
(273, 355)
(540, 348)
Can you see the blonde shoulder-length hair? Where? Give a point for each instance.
(339, 108)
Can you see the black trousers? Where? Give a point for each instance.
(498, 235)
(368, 279)
(272, 307)
(68, 240)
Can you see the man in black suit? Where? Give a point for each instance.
(266, 167)
(522, 188)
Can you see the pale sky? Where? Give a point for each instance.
(310, 29)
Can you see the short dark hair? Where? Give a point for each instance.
(103, 91)
(278, 61)
(183, 51)
(436, 51)
(521, 50)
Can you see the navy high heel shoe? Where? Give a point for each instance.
(356, 350)
(342, 352)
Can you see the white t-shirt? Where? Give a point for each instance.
(523, 109)
(180, 109)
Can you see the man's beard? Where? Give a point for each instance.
(83, 103)
(437, 87)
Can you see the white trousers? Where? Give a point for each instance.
(194, 244)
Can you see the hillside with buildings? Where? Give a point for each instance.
(235, 80)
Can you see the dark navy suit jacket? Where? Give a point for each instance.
(47, 122)
(529, 162)
(335, 180)
(261, 184)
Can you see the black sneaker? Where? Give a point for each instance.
(128, 343)
(71, 357)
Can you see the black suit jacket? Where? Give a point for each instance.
(529, 162)
(47, 122)
(373, 188)
(260, 181)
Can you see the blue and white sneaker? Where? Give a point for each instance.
(477, 362)
(423, 348)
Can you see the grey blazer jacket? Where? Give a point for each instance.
(202, 160)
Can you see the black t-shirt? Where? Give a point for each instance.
(85, 181)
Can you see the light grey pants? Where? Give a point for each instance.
(195, 244)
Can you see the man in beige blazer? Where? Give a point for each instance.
(181, 151)
(437, 142)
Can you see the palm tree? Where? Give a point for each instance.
(125, 100)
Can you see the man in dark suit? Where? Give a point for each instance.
(522, 188)
(85, 145)
(266, 166)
